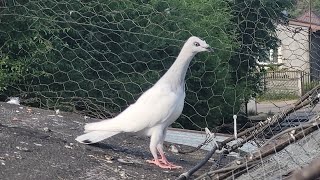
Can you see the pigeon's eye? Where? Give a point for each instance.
(196, 44)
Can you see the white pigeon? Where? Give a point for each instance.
(155, 109)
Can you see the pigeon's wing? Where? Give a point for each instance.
(154, 107)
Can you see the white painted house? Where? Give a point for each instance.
(299, 47)
(293, 51)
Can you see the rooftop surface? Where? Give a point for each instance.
(39, 144)
(309, 17)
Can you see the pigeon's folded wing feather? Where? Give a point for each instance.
(151, 109)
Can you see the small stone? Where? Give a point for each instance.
(124, 161)
(112, 178)
(23, 149)
(68, 147)
(109, 158)
(122, 174)
(46, 129)
(173, 149)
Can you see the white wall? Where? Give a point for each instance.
(294, 47)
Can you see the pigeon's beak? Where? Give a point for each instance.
(210, 49)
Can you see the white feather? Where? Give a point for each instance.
(156, 109)
(95, 136)
(14, 100)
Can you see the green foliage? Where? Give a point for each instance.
(99, 56)
(277, 96)
(275, 67)
(256, 20)
(309, 85)
(20, 47)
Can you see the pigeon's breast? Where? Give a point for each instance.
(178, 108)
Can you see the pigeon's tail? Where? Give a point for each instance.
(95, 136)
(110, 125)
(99, 131)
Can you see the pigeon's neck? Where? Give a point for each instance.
(175, 76)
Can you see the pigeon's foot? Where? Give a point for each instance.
(166, 162)
(163, 165)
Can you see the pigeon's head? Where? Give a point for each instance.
(198, 45)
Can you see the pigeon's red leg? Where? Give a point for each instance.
(156, 141)
(161, 165)
(164, 160)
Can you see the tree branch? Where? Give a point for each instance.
(189, 173)
(252, 132)
(273, 147)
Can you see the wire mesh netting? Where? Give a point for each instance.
(97, 57)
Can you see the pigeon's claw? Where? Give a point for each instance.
(166, 162)
(164, 165)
